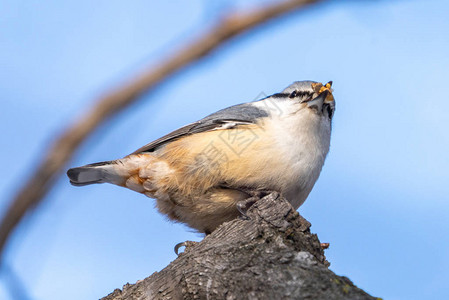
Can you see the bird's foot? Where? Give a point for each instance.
(257, 193)
(244, 205)
(183, 244)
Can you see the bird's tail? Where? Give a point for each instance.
(95, 173)
(115, 171)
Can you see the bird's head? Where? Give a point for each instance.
(313, 95)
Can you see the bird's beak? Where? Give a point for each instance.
(319, 100)
(319, 88)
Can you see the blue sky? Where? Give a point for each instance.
(382, 197)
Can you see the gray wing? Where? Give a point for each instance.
(241, 114)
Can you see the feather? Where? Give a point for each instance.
(241, 114)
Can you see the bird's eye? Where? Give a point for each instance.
(293, 94)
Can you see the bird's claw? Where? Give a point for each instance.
(244, 205)
(182, 244)
(179, 245)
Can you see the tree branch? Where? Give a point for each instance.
(271, 256)
(64, 147)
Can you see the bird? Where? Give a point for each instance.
(210, 171)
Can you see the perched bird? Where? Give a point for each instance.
(204, 173)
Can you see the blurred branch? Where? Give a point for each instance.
(63, 148)
(14, 283)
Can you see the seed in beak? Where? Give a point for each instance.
(317, 87)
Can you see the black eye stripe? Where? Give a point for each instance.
(279, 95)
(293, 94)
(303, 93)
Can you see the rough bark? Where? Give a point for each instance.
(272, 255)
